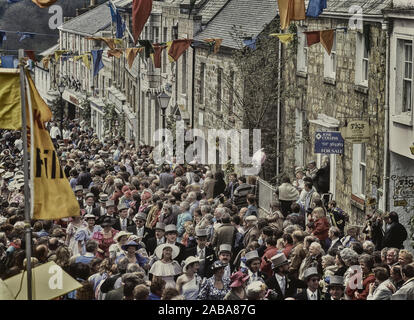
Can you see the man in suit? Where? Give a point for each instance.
(225, 256)
(334, 234)
(201, 251)
(252, 232)
(232, 186)
(122, 223)
(171, 234)
(89, 203)
(79, 195)
(100, 209)
(158, 239)
(139, 228)
(110, 209)
(166, 178)
(208, 185)
(282, 285)
(253, 265)
(395, 233)
(312, 292)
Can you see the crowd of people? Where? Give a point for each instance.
(181, 232)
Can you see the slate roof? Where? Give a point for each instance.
(90, 22)
(249, 15)
(369, 7)
(210, 9)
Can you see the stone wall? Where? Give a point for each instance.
(342, 100)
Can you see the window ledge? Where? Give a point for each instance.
(405, 119)
(330, 81)
(361, 88)
(302, 74)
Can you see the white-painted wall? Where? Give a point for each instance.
(401, 136)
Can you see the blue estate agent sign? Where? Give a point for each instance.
(329, 142)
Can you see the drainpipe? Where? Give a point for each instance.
(278, 113)
(386, 178)
(192, 89)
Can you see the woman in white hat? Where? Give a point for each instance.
(166, 267)
(76, 224)
(115, 250)
(188, 284)
(84, 234)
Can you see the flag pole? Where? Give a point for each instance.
(28, 227)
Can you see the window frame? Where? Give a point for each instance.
(302, 51)
(398, 115)
(330, 62)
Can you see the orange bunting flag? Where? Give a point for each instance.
(217, 43)
(141, 10)
(117, 53)
(291, 10)
(44, 3)
(156, 56)
(312, 37)
(327, 39)
(131, 53)
(178, 47)
(109, 41)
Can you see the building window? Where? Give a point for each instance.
(362, 61)
(404, 79)
(408, 76)
(359, 169)
(330, 62)
(302, 54)
(184, 73)
(202, 76)
(146, 33)
(219, 78)
(156, 34)
(231, 92)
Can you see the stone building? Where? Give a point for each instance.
(218, 85)
(324, 92)
(400, 164)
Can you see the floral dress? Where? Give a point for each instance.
(84, 234)
(104, 243)
(71, 231)
(209, 292)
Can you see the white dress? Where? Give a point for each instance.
(191, 289)
(167, 271)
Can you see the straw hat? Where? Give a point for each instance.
(161, 247)
(188, 261)
(121, 234)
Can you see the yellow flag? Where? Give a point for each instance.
(58, 53)
(283, 37)
(169, 44)
(86, 61)
(10, 107)
(52, 197)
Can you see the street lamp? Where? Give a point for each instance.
(61, 88)
(163, 100)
